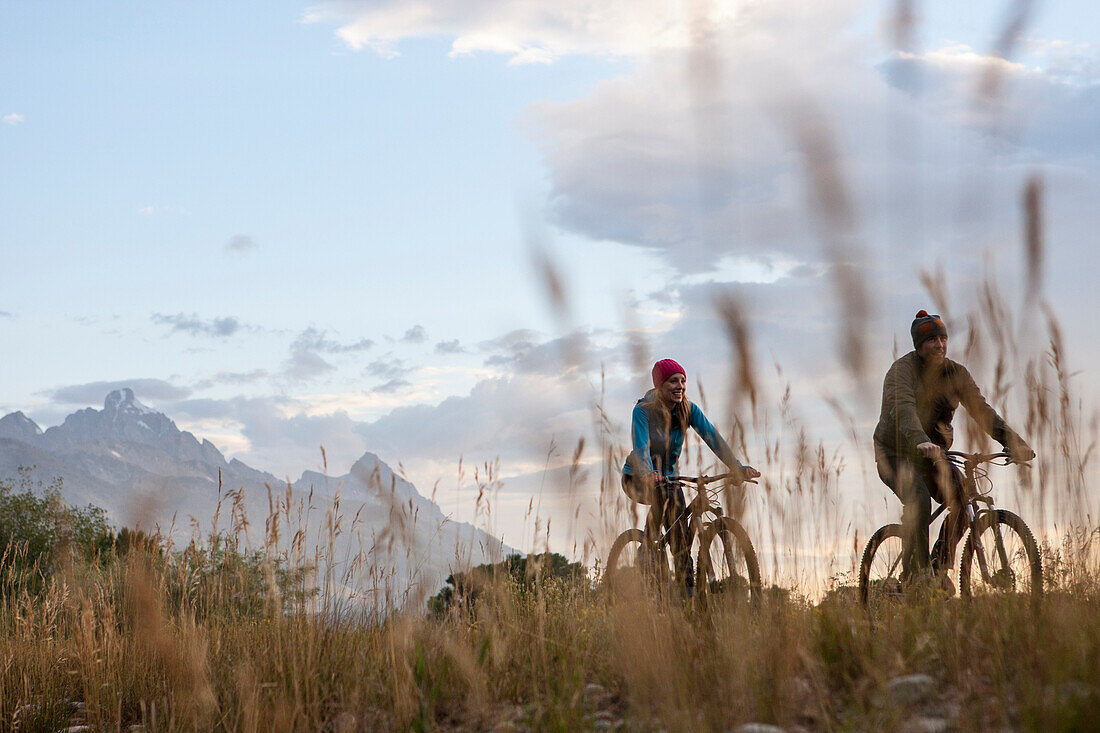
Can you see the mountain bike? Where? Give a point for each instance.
(726, 566)
(1000, 555)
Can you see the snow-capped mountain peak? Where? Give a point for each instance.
(122, 401)
(128, 457)
(19, 427)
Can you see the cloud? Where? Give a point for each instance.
(521, 339)
(528, 31)
(224, 377)
(5, 314)
(282, 437)
(305, 361)
(151, 210)
(791, 140)
(13, 118)
(193, 325)
(387, 367)
(449, 347)
(1071, 61)
(392, 385)
(305, 365)
(240, 243)
(503, 416)
(415, 335)
(312, 339)
(94, 392)
(518, 351)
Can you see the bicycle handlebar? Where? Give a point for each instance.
(704, 480)
(956, 456)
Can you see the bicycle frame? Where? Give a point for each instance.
(973, 503)
(705, 501)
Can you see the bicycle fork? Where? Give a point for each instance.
(976, 540)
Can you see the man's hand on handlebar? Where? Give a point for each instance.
(930, 450)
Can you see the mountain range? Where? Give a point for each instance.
(136, 464)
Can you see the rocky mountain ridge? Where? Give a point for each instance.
(135, 463)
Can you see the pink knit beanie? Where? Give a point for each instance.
(664, 369)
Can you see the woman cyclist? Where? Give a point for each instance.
(657, 429)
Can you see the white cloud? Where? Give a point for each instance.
(313, 339)
(449, 347)
(529, 31)
(388, 367)
(504, 416)
(152, 210)
(415, 335)
(305, 361)
(240, 243)
(93, 393)
(304, 365)
(1072, 61)
(727, 164)
(195, 326)
(13, 118)
(276, 433)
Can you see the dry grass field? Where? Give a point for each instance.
(129, 645)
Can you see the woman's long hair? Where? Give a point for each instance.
(667, 411)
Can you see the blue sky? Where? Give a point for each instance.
(299, 224)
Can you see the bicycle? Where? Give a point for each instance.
(1005, 550)
(728, 568)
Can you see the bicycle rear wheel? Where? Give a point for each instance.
(636, 562)
(727, 572)
(880, 568)
(1012, 563)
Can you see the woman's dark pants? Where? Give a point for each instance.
(667, 500)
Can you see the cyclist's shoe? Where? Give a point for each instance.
(687, 593)
(940, 565)
(938, 556)
(945, 584)
(928, 584)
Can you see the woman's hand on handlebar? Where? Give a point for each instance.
(748, 472)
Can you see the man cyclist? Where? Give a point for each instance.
(657, 428)
(919, 396)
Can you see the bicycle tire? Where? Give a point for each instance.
(738, 581)
(1003, 579)
(648, 564)
(889, 585)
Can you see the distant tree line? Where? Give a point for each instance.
(40, 535)
(522, 573)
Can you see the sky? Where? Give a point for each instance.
(445, 232)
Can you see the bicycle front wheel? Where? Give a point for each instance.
(727, 572)
(636, 562)
(1000, 557)
(880, 568)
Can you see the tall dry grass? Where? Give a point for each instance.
(560, 656)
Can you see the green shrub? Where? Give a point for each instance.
(523, 571)
(39, 532)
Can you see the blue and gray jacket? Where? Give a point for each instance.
(653, 448)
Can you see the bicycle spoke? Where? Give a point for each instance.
(879, 577)
(1001, 561)
(726, 571)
